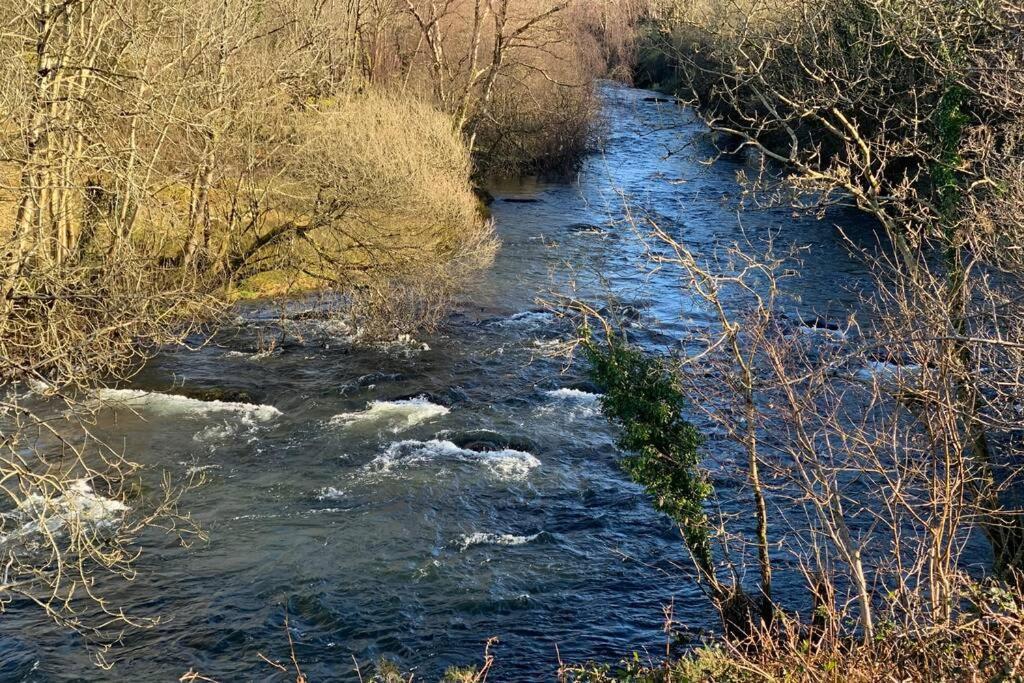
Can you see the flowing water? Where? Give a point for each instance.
(412, 501)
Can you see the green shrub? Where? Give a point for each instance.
(643, 396)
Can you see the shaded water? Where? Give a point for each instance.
(411, 503)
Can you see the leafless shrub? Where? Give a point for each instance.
(884, 105)
(978, 647)
(71, 513)
(895, 432)
(863, 471)
(516, 75)
(150, 155)
(376, 197)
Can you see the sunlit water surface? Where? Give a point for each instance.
(411, 504)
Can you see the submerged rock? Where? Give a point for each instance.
(311, 314)
(372, 379)
(586, 386)
(219, 394)
(520, 200)
(488, 441)
(816, 327)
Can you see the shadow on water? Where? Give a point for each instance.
(412, 503)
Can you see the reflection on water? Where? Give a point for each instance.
(413, 501)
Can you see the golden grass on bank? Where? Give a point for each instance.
(401, 173)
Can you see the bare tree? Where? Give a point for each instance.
(893, 431)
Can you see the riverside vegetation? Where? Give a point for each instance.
(906, 415)
(161, 158)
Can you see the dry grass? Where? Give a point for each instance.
(988, 646)
(409, 221)
(400, 157)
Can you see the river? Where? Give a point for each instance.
(412, 501)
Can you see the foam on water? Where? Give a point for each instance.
(527, 319)
(171, 404)
(887, 372)
(482, 538)
(40, 517)
(404, 346)
(330, 493)
(549, 345)
(193, 468)
(507, 464)
(572, 402)
(576, 395)
(216, 432)
(256, 355)
(397, 415)
(818, 332)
